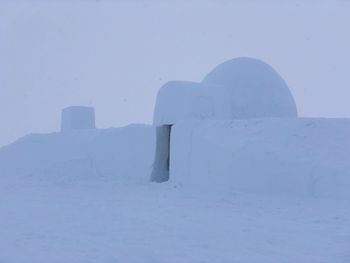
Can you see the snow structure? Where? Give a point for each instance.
(124, 154)
(77, 118)
(239, 129)
(240, 88)
(295, 157)
(80, 152)
(254, 89)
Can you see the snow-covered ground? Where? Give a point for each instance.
(110, 221)
(85, 196)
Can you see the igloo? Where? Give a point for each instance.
(254, 88)
(77, 118)
(240, 88)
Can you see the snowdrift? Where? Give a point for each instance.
(123, 153)
(303, 157)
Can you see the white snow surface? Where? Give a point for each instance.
(84, 197)
(111, 221)
(296, 156)
(126, 153)
(241, 88)
(185, 100)
(254, 88)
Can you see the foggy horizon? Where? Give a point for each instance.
(115, 55)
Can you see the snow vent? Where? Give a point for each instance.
(77, 118)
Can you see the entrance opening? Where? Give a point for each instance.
(161, 165)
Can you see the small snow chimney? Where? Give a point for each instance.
(77, 118)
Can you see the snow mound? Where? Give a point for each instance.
(254, 88)
(123, 153)
(302, 157)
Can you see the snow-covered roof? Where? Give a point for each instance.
(179, 100)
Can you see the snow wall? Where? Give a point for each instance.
(118, 153)
(303, 157)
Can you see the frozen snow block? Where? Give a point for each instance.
(289, 156)
(184, 100)
(77, 118)
(254, 88)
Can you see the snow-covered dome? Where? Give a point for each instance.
(240, 88)
(254, 88)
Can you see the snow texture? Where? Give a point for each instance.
(298, 157)
(240, 88)
(84, 195)
(254, 88)
(124, 153)
(109, 221)
(77, 118)
(184, 100)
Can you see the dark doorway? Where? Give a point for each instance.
(161, 165)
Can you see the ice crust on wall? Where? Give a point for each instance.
(254, 88)
(77, 118)
(120, 153)
(301, 157)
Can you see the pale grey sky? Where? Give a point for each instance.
(114, 55)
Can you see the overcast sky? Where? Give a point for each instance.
(114, 55)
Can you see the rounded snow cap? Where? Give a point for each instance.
(181, 100)
(254, 88)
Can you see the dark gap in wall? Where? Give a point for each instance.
(161, 165)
